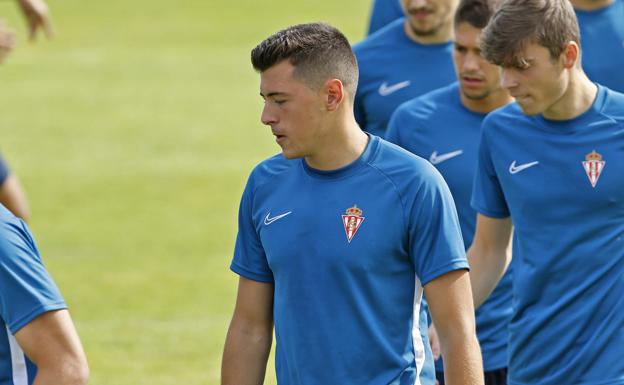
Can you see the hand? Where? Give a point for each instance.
(434, 341)
(7, 41)
(37, 16)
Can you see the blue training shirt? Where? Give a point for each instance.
(394, 69)
(437, 126)
(602, 44)
(26, 292)
(349, 251)
(383, 13)
(562, 183)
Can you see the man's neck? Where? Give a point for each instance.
(577, 99)
(344, 143)
(443, 35)
(488, 104)
(591, 5)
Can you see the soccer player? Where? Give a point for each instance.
(339, 235)
(602, 30)
(38, 342)
(12, 195)
(383, 13)
(405, 59)
(551, 163)
(444, 126)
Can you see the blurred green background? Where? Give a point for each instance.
(133, 132)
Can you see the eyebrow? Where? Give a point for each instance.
(270, 94)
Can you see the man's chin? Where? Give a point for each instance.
(290, 154)
(475, 95)
(423, 29)
(529, 110)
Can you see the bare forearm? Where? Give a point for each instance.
(245, 356)
(486, 271)
(462, 360)
(67, 374)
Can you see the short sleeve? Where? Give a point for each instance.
(249, 257)
(487, 195)
(4, 170)
(436, 243)
(26, 288)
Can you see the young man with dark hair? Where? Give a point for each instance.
(38, 342)
(409, 57)
(338, 238)
(551, 163)
(444, 126)
(602, 29)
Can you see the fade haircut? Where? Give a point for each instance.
(477, 13)
(549, 23)
(318, 52)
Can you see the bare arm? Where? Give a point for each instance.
(450, 303)
(12, 196)
(52, 343)
(37, 17)
(489, 255)
(250, 335)
(7, 41)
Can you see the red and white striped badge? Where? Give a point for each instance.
(352, 221)
(593, 166)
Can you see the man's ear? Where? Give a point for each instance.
(571, 54)
(335, 94)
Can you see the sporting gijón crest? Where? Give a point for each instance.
(352, 221)
(593, 166)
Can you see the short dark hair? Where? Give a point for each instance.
(477, 13)
(318, 52)
(549, 23)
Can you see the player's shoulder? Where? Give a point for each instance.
(613, 106)
(426, 106)
(403, 168)
(14, 235)
(382, 39)
(509, 115)
(271, 168)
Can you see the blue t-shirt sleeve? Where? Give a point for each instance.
(436, 243)
(4, 170)
(26, 288)
(487, 195)
(393, 134)
(249, 257)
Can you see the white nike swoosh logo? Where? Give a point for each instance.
(435, 158)
(268, 221)
(385, 89)
(513, 169)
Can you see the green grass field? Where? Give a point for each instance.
(133, 132)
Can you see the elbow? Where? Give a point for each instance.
(69, 372)
(81, 374)
(76, 373)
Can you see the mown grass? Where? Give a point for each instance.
(133, 131)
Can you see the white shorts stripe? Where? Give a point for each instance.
(18, 361)
(419, 345)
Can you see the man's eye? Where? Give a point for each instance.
(279, 102)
